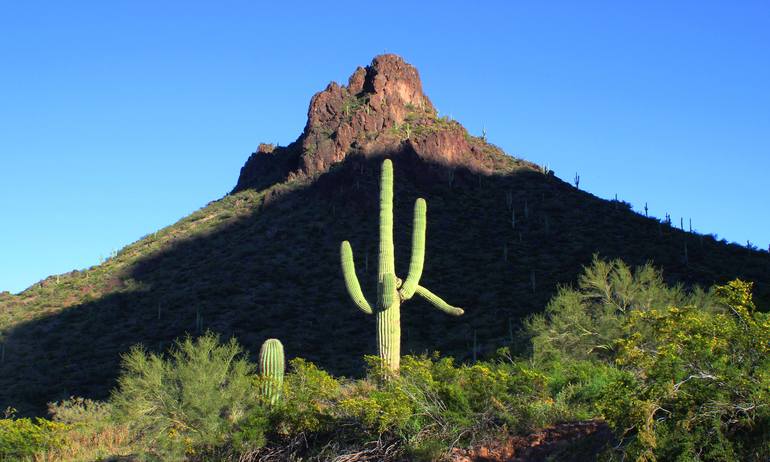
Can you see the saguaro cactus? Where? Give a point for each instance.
(391, 290)
(271, 367)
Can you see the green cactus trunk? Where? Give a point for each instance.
(390, 289)
(271, 368)
(389, 336)
(388, 302)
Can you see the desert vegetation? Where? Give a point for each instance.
(497, 246)
(676, 374)
(673, 373)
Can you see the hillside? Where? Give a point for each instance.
(264, 260)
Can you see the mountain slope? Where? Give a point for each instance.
(263, 261)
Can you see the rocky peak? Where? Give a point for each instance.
(393, 85)
(377, 98)
(382, 109)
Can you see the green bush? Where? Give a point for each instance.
(188, 401)
(678, 375)
(581, 384)
(701, 382)
(435, 400)
(381, 403)
(23, 438)
(583, 322)
(82, 414)
(309, 398)
(252, 431)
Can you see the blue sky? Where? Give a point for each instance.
(118, 118)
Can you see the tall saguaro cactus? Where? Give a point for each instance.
(391, 290)
(271, 368)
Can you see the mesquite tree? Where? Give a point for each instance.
(391, 290)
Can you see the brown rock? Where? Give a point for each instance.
(382, 110)
(377, 98)
(356, 81)
(265, 148)
(447, 147)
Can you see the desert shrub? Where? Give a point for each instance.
(434, 401)
(22, 438)
(81, 413)
(89, 436)
(421, 413)
(580, 384)
(679, 375)
(700, 388)
(92, 432)
(188, 401)
(379, 409)
(309, 396)
(584, 322)
(252, 431)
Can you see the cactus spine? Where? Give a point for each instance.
(391, 290)
(271, 367)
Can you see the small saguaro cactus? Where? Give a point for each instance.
(271, 367)
(391, 290)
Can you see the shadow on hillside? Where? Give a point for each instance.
(276, 273)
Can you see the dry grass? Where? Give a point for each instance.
(82, 446)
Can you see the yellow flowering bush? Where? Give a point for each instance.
(702, 381)
(23, 437)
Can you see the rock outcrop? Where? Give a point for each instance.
(382, 110)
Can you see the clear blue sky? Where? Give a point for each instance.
(118, 118)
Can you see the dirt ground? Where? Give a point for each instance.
(568, 442)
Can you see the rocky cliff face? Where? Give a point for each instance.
(382, 110)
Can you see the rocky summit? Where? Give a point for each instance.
(382, 109)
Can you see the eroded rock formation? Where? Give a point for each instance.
(382, 109)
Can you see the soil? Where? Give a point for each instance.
(567, 442)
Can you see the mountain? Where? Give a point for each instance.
(263, 261)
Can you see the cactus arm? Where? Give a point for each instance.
(351, 280)
(386, 266)
(388, 291)
(437, 302)
(418, 250)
